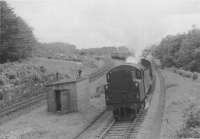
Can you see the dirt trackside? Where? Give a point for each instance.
(150, 128)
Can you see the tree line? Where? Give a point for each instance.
(180, 51)
(16, 37)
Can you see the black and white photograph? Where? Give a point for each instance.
(99, 69)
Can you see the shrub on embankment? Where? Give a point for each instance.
(181, 51)
(192, 124)
(186, 74)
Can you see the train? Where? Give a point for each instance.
(128, 87)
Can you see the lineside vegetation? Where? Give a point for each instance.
(16, 37)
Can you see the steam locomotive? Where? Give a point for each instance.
(128, 87)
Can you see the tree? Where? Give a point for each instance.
(17, 39)
(181, 50)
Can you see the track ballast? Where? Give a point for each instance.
(126, 129)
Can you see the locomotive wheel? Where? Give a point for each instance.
(122, 112)
(150, 89)
(116, 114)
(143, 105)
(138, 109)
(132, 113)
(116, 118)
(128, 111)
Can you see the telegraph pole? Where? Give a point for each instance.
(1, 22)
(1, 28)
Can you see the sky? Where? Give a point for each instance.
(94, 23)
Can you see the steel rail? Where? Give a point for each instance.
(22, 104)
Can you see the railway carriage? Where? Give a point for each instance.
(127, 88)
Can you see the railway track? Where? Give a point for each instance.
(22, 104)
(124, 129)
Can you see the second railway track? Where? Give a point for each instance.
(22, 104)
(124, 129)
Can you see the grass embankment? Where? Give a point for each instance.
(182, 114)
(191, 128)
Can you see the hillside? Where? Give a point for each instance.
(53, 50)
(66, 51)
(108, 51)
(181, 114)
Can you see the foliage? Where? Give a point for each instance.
(195, 76)
(190, 129)
(181, 50)
(17, 39)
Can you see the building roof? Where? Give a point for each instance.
(66, 81)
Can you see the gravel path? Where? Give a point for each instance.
(150, 129)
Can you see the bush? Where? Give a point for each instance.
(193, 120)
(11, 76)
(2, 82)
(99, 90)
(188, 133)
(194, 76)
(1, 96)
(17, 82)
(173, 69)
(43, 69)
(36, 77)
(190, 129)
(187, 75)
(180, 73)
(66, 76)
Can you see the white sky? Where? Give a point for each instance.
(96, 23)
